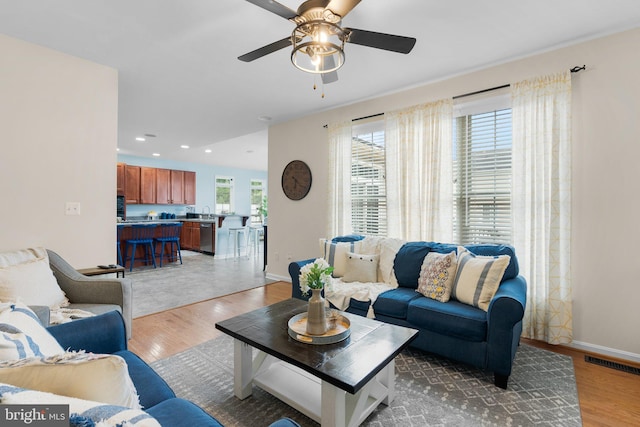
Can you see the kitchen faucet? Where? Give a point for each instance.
(208, 209)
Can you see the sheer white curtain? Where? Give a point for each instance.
(419, 172)
(541, 203)
(339, 180)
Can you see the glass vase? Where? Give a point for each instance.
(316, 317)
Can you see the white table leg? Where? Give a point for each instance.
(388, 379)
(334, 411)
(242, 369)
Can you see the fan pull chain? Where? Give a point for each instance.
(315, 87)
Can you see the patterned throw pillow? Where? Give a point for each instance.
(437, 275)
(478, 278)
(361, 268)
(22, 335)
(336, 254)
(104, 415)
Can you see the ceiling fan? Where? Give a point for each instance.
(318, 39)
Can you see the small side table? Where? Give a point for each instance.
(96, 271)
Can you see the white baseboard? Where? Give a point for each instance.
(278, 278)
(605, 351)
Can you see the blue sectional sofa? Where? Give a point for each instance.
(484, 339)
(106, 334)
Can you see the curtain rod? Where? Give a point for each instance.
(360, 118)
(575, 69)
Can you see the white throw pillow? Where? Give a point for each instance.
(361, 268)
(336, 254)
(100, 377)
(100, 413)
(436, 276)
(389, 248)
(478, 278)
(32, 281)
(22, 335)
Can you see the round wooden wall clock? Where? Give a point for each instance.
(296, 180)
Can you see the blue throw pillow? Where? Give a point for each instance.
(408, 263)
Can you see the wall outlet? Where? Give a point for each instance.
(276, 256)
(72, 208)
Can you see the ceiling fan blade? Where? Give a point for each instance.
(390, 42)
(265, 50)
(275, 7)
(342, 7)
(329, 77)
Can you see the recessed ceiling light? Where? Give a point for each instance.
(117, 148)
(184, 146)
(264, 118)
(249, 151)
(156, 154)
(208, 150)
(141, 139)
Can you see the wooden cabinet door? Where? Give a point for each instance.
(132, 184)
(147, 185)
(189, 188)
(185, 236)
(163, 193)
(177, 187)
(196, 236)
(120, 179)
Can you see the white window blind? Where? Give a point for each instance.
(482, 177)
(368, 188)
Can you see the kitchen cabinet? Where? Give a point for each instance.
(147, 186)
(132, 184)
(120, 179)
(163, 194)
(189, 188)
(190, 236)
(177, 187)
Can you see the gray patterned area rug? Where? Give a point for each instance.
(430, 391)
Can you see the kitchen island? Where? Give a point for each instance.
(198, 233)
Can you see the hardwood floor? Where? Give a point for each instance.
(607, 397)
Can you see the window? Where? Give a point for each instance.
(368, 188)
(258, 201)
(482, 177)
(224, 195)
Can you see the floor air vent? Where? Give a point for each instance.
(612, 365)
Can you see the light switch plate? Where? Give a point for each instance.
(72, 208)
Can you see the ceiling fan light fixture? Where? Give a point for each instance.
(318, 47)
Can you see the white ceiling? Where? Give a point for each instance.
(180, 80)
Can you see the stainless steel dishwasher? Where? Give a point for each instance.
(206, 237)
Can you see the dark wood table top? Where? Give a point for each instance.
(349, 364)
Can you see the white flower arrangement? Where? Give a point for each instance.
(315, 275)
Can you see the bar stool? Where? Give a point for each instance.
(237, 232)
(141, 234)
(253, 238)
(118, 239)
(170, 233)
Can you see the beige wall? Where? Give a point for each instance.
(58, 133)
(606, 176)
